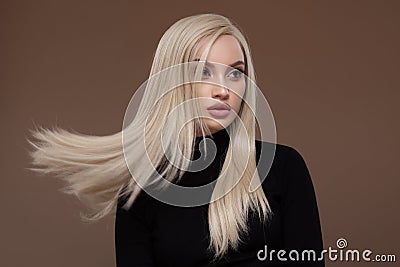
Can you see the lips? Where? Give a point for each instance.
(220, 106)
(219, 110)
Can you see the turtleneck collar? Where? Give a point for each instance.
(220, 138)
(210, 171)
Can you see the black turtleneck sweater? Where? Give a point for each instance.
(153, 233)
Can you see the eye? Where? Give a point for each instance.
(236, 74)
(206, 72)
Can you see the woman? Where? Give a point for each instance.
(157, 226)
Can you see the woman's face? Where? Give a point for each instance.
(224, 82)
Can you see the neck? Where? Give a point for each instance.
(220, 138)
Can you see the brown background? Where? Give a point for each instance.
(329, 70)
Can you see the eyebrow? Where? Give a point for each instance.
(239, 62)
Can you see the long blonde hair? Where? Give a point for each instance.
(95, 167)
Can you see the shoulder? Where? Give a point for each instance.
(289, 171)
(283, 155)
(295, 174)
(139, 205)
(285, 164)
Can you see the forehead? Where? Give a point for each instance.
(225, 50)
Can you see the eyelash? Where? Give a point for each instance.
(236, 69)
(239, 70)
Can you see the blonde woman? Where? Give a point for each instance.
(143, 177)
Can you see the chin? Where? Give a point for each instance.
(215, 126)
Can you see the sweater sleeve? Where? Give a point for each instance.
(132, 236)
(302, 229)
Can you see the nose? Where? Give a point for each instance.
(221, 92)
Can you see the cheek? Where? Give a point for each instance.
(236, 102)
(237, 97)
(202, 93)
(203, 90)
(238, 87)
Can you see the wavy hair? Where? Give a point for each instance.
(95, 167)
